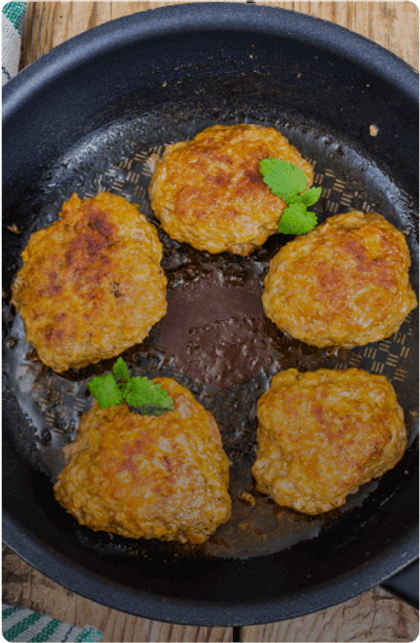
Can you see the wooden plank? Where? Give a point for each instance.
(393, 25)
(373, 616)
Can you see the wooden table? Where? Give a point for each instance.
(373, 616)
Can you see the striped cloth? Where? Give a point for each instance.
(12, 17)
(21, 624)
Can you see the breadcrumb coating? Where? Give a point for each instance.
(345, 283)
(91, 284)
(322, 434)
(148, 477)
(209, 192)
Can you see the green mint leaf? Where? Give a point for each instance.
(120, 370)
(296, 219)
(125, 388)
(311, 196)
(106, 391)
(144, 393)
(291, 215)
(289, 183)
(140, 392)
(282, 178)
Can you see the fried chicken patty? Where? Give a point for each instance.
(148, 477)
(91, 284)
(323, 434)
(345, 283)
(209, 192)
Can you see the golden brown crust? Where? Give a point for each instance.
(209, 191)
(91, 283)
(148, 477)
(344, 284)
(323, 434)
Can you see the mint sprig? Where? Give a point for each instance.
(289, 183)
(141, 392)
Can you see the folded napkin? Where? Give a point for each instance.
(21, 624)
(12, 18)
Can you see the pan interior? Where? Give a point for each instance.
(119, 157)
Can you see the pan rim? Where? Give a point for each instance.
(232, 16)
(71, 55)
(211, 614)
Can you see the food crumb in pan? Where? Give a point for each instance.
(248, 498)
(373, 130)
(13, 228)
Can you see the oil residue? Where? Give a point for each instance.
(215, 338)
(216, 331)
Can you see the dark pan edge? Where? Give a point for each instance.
(151, 606)
(225, 15)
(405, 584)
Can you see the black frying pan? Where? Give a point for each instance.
(86, 117)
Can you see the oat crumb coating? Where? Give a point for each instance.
(345, 283)
(148, 477)
(322, 434)
(91, 284)
(209, 192)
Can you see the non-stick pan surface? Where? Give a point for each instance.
(94, 115)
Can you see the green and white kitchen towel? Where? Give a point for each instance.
(12, 18)
(21, 624)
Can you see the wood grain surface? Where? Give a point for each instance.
(373, 616)
(393, 25)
